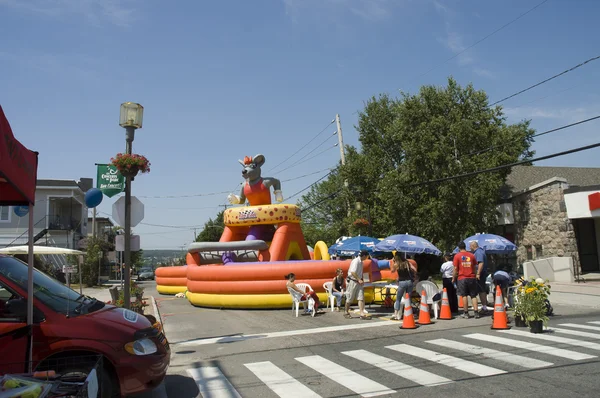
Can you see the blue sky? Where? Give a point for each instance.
(220, 80)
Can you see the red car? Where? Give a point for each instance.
(72, 331)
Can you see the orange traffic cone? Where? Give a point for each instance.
(500, 318)
(424, 318)
(408, 322)
(445, 312)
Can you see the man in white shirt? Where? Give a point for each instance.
(447, 271)
(355, 286)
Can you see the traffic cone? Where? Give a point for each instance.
(500, 318)
(408, 322)
(424, 318)
(445, 312)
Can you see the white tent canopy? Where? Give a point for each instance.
(39, 250)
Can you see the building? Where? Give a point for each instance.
(553, 212)
(60, 216)
(104, 228)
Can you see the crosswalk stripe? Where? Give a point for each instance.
(576, 325)
(453, 362)
(347, 378)
(519, 360)
(279, 381)
(213, 383)
(558, 352)
(411, 373)
(577, 333)
(555, 339)
(595, 322)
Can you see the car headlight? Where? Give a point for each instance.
(141, 347)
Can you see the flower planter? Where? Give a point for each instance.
(131, 172)
(536, 326)
(520, 322)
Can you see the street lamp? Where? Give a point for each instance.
(130, 118)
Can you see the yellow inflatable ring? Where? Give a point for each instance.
(251, 301)
(264, 214)
(172, 290)
(321, 251)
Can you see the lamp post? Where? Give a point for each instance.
(130, 119)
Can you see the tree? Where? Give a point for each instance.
(408, 142)
(212, 229)
(96, 249)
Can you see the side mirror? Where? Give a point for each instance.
(18, 309)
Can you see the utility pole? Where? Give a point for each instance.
(342, 152)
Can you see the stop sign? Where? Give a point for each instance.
(137, 211)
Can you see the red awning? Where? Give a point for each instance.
(18, 168)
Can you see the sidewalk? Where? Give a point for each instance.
(583, 294)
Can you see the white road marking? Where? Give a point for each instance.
(447, 360)
(346, 377)
(595, 322)
(586, 327)
(279, 381)
(555, 339)
(212, 383)
(408, 372)
(577, 333)
(287, 333)
(558, 352)
(519, 360)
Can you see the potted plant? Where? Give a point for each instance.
(531, 304)
(361, 225)
(130, 164)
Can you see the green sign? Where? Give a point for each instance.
(109, 180)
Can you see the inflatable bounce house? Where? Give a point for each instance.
(261, 243)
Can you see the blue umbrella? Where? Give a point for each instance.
(353, 246)
(492, 244)
(408, 244)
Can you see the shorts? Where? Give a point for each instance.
(481, 285)
(467, 287)
(355, 291)
(502, 282)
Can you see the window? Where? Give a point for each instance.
(539, 251)
(4, 213)
(5, 295)
(529, 249)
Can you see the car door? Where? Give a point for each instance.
(13, 335)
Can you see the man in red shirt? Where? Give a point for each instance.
(465, 265)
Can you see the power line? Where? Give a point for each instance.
(302, 190)
(533, 136)
(505, 166)
(482, 39)
(302, 160)
(305, 145)
(547, 80)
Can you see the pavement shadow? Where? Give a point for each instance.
(180, 386)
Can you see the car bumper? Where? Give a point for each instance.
(142, 373)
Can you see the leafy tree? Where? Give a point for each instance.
(408, 142)
(212, 229)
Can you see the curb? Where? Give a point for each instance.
(156, 312)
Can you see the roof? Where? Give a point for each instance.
(101, 219)
(57, 183)
(523, 177)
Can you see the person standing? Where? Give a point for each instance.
(405, 282)
(355, 284)
(447, 270)
(465, 278)
(482, 272)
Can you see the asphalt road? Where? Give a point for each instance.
(222, 353)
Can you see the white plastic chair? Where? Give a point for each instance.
(297, 298)
(431, 289)
(328, 286)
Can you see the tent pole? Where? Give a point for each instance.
(30, 292)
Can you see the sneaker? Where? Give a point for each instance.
(484, 308)
(465, 315)
(477, 316)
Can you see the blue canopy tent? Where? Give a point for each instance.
(492, 244)
(353, 246)
(408, 244)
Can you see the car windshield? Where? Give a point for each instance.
(46, 289)
(146, 270)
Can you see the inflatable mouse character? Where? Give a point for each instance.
(256, 189)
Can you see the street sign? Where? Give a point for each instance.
(137, 211)
(120, 243)
(69, 269)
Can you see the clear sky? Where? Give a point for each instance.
(220, 80)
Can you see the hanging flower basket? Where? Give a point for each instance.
(129, 165)
(361, 222)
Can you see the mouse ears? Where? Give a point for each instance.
(257, 160)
